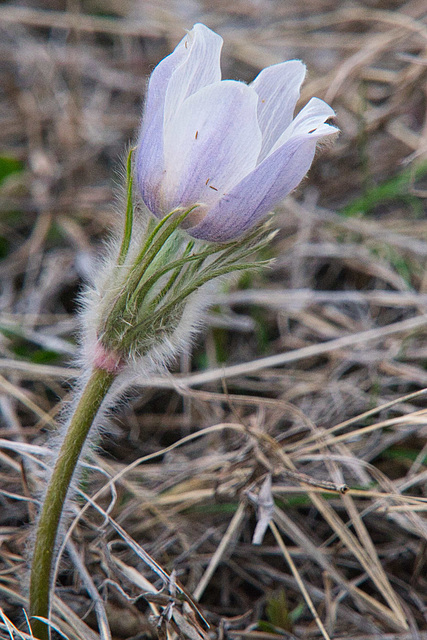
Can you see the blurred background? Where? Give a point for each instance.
(328, 345)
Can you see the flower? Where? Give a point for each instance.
(232, 149)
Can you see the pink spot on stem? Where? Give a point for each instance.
(107, 360)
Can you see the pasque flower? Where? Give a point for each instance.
(213, 155)
(233, 149)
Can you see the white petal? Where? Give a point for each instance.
(312, 116)
(210, 144)
(149, 165)
(278, 88)
(198, 68)
(193, 64)
(264, 187)
(159, 80)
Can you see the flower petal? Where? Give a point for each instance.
(149, 158)
(210, 144)
(315, 113)
(149, 162)
(193, 64)
(278, 88)
(269, 183)
(199, 68)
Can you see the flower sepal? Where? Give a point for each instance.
(154, 302)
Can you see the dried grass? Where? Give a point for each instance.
(311, 374)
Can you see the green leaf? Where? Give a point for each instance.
(397, 187)
(8, 166)
(4, 247)
(278, 611)
(401, 453)
(127, 231)
(44, 356)
(297, 612)
(267, 627)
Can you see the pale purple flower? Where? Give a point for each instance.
(233, 149)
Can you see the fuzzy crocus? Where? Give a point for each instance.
(232, 149)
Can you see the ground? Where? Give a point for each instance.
(310, 373)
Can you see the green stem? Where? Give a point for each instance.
(81, 421)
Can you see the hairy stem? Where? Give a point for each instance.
(81, 421)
